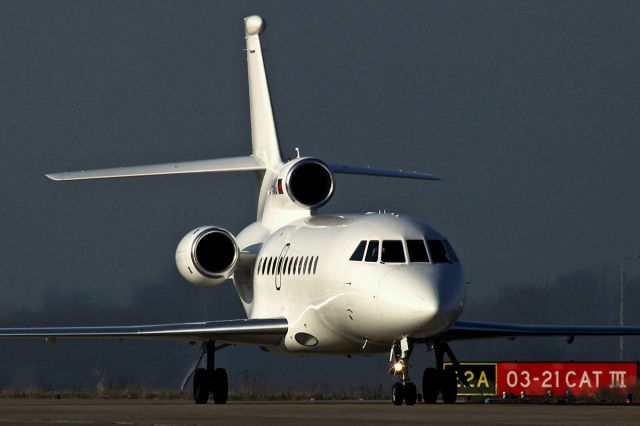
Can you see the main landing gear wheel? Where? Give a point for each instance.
(201, 386)
(449, 386)
(442, 379)
(430, 385)
(397, 393)
(210, 380)
(220, 386)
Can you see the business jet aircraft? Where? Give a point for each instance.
(312, 283)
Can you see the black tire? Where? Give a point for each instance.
(410, 394)
(449, 386)
(201, 386)
(220, 386)
(430, 385)
(397, 393)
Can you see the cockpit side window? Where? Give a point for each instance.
(359, 251)
(451, 254)
(372, 251)
(417, 251)
(393, 251)
(438, 251)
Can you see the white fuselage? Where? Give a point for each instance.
(303, 272)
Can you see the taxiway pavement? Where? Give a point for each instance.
(162, 412)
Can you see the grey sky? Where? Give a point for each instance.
(530, 111)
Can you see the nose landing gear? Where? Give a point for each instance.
(404, 390)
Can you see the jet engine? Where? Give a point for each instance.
(207, 256)
(308, 182)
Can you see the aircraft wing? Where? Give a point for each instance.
(462, 330)
(253, 331)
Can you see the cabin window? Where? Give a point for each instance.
(295, 265)
(372, 251)
(392, 251)
(280, 261)
(437, 251)
(417, 251)
(268, 266)
(359, 252)
(258, 267)
(315, 265)
(299, 265)
(304, 267)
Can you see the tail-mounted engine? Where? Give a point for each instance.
(207, 256)
(307, 182)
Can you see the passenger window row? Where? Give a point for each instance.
(288, 265)
(393, 251)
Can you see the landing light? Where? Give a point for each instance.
(399, 367)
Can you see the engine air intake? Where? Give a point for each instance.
(309, 183)
(207, 256)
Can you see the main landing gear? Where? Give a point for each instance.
(211, 380)
(440, 379)
(434, 380)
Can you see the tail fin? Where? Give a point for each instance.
(266, 159)
(264, 137)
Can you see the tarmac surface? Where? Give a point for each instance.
(154, 412)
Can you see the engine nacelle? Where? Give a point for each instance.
(308, 182)
(207, 256)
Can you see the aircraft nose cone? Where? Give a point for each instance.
(414, 302)
(406, 299)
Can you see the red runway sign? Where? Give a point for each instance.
(539, 378)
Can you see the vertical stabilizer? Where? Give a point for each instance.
(263, 130)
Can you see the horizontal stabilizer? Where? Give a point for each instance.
(371, 171)
(232, 164)
(254, 331)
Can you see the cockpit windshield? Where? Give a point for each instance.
(372, 251)
(392, 251)
(441, 251)
(359, 251)
(417, 251)
(438, 252)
